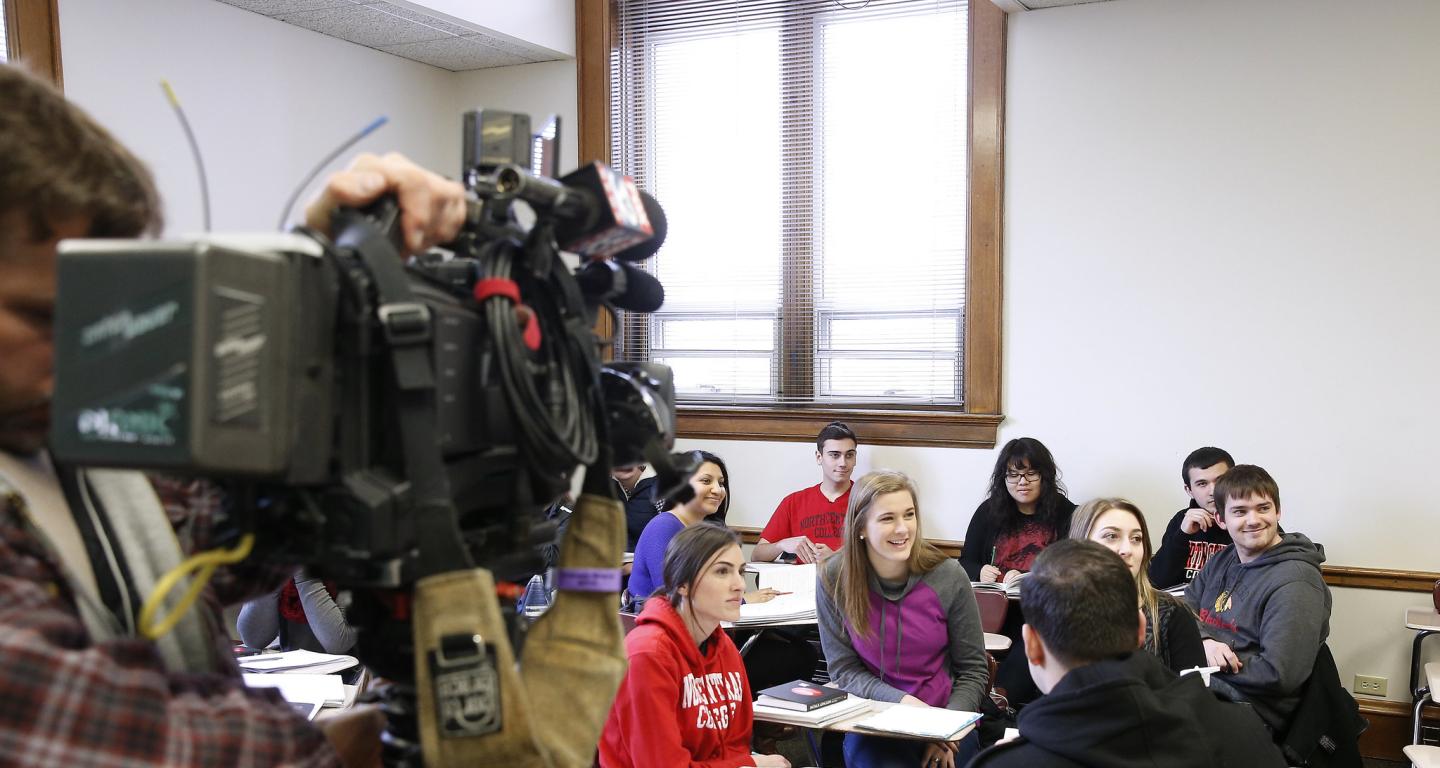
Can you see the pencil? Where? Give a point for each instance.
(992, 555)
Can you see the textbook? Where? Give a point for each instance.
(819, 718)
(801, 695)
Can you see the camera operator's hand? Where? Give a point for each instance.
(432, 208)
(355, 735)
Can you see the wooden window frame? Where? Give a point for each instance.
(32, 30)
(977, 423)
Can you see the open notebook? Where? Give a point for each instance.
(920, 722)
(796, 607)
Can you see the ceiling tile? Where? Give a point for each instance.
(364, 25)
(429, 21)
(277, 7)
(457, 54)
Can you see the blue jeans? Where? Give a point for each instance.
(882, 752)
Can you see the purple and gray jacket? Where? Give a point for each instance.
(925, 640)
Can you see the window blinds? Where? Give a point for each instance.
(811, 159)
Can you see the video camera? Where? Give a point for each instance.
(376, 420)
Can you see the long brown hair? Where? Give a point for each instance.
(849, 587)
(686, 557)
(1083, 520)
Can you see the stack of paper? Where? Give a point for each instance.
(797, 606)
(920, 722)
(308, 662)
(327, 690)
(815, 718)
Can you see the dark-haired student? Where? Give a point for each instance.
(684, 700)
(809, 522)
(1025, 511)
(637, 494)
(1193, 536)
(1170, 631)
(711, 483)
(1107, 705)
(898, 623)
(1264, 608)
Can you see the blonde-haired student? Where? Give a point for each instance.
(899, 623)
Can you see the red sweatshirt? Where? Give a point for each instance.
(675, 706)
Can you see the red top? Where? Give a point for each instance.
(677, 706)
(807, 512)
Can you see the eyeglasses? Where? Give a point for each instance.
(1021, 478)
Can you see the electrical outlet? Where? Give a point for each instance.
(1371, 685)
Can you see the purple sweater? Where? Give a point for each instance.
(925, 640)
(648, 572)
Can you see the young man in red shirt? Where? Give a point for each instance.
(809, 523)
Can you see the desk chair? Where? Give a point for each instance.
(993, 606)
(627, 622)
(1425, 696)
(1423, 757)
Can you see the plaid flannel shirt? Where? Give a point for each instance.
(66, 700)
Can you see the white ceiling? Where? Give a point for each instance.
(408, 30)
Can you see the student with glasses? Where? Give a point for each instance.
(1025, 512)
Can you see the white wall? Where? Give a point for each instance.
(1220, 229)
(536, 89)
(267, 101)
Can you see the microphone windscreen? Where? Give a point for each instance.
(643, 293)
(656, 215)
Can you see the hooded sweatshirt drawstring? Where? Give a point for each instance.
(899, 636)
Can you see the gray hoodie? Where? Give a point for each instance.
(1274, 613)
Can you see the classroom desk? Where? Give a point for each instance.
(1425, 622)
(847, 725)
(996, 643)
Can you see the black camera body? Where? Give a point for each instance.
(336, 392)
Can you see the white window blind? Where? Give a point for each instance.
(811, 159)
(4, 35)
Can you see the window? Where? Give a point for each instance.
(30, 32)
(821, 260)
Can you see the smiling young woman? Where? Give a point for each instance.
(898, 621)
(1171, 633)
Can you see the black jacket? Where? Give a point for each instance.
(1325, 730)
(639, 509)
(1134, 713)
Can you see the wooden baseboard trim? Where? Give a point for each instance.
(1389, 729)
(1335, 575)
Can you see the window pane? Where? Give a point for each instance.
(894, 221)
(714, 165)
(732, 334)
(700, 377)
(887, 378)
(939, 333)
